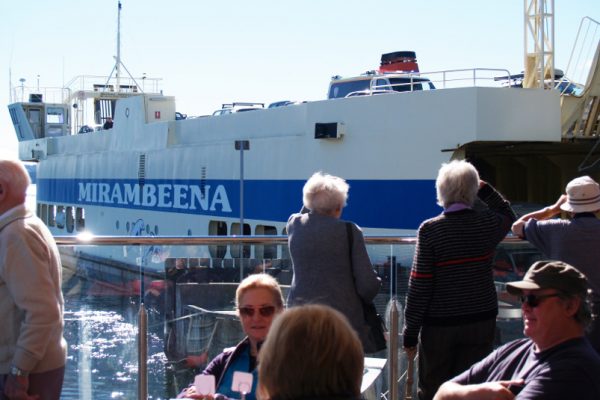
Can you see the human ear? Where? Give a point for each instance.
(572, 305)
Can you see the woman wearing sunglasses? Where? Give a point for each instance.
(258, 301)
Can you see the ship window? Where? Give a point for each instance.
(51, 215)
(155, 230)
(70, 219)
(44, 213)
(382, 84)
(240, 251)
(217, 228)
(80, 219)
(55, 115)
(60, 217)
(267, 251)
(342, 89)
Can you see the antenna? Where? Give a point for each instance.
(118, 63)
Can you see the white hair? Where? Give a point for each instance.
(324, 193)
(457, 182)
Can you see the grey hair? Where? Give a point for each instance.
(13, 172)
(584, 314)
(457, 182)
(324, 193)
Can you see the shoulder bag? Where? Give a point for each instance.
(372, 318)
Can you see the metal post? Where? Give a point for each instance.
(393, 331)
(142, 352)
(393, 351)
(242, 145)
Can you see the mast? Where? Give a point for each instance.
(539, 44)
(118, 64)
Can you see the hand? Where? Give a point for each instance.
(556, 206)
(411, 352)
(517, 228)
(15, 388)
(190, 393)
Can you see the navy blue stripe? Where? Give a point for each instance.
(392, 204)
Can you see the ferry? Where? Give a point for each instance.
(157, 171)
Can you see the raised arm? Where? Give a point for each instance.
(544, 213)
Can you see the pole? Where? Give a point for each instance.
(393, 351)
(242, 191)
(118, 65)
(142, 352)
(242, 145)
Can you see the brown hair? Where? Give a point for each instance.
(310, 351)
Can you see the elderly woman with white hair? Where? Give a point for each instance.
(329, 257)
(451, 305)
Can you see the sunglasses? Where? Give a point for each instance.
(266, 311)
(533, 300)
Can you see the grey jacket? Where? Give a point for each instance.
(323, 273)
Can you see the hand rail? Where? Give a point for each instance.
(86, 239)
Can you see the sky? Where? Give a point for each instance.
(210, 52)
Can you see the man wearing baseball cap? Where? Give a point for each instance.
(555, 361)
(575, 241)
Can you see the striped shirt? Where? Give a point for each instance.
(451, 280)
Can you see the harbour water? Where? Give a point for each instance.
(102, 363)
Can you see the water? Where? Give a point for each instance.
(101, 333)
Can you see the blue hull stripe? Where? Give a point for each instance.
(390, 204)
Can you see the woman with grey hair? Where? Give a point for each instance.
(451, 305)
(330, 266)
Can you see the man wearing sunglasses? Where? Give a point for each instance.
(555, 361)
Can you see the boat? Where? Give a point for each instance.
(160, 172)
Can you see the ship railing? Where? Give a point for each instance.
(454, 78)
(184, 289)
(36, 94)
(99, 83)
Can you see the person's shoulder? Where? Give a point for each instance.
(294, 217)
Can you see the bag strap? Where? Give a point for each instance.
(350, 237)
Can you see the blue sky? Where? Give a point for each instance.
(211, 52)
